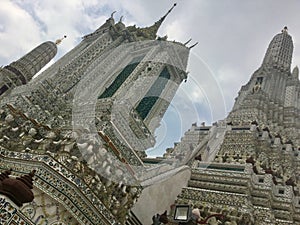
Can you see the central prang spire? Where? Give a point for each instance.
(271, 97)
(279, 52)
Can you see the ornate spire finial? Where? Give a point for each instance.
(58, 41)
(163, 18)
(285, 30)
(151, 31)
(121, 18)
(112, 14)
(170, 10)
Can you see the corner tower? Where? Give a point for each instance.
(37, 120)
(125, 60)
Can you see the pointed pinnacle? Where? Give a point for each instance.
(193, 45)
(188, 41)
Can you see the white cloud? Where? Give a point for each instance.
(172, 31)
(19, 31)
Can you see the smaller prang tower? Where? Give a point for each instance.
(21, 71)
(272, 95)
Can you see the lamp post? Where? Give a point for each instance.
(182, 213)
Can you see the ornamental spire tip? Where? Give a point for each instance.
(150, 32)
(112, 14)
(170, 10)
(284, 30)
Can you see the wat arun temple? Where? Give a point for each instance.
(73, 137)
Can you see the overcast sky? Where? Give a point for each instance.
(233, 36)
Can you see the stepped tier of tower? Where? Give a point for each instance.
(252, 179)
